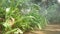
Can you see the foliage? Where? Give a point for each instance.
(53, 13)
(50, 9)
(20, 17)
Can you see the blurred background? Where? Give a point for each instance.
(50, 9)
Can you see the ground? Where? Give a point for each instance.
(50, 29)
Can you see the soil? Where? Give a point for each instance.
(50, 29)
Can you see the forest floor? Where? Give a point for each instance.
(50, 29)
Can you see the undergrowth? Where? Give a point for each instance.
(19, 17)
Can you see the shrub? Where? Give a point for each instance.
(20, 17)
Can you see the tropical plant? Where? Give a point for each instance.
(20, 17)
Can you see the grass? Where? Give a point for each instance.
(20, 19)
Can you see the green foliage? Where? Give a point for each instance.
(20, 17)
(53, 13)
